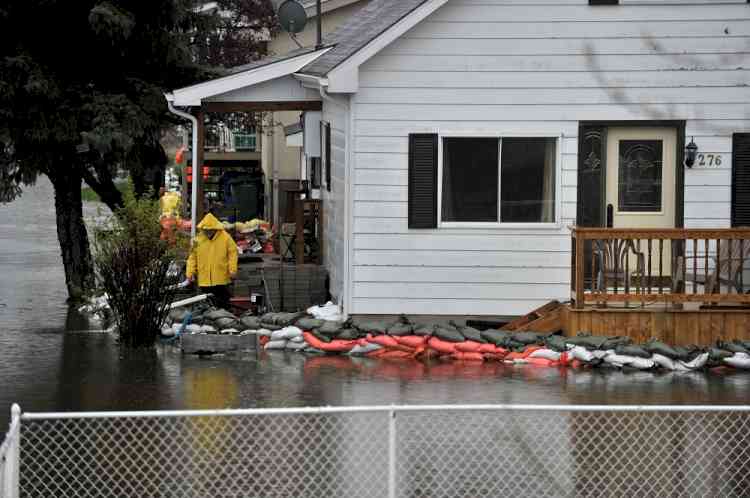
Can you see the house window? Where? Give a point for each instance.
(498, 180)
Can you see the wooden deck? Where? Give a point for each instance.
(702, 327)
(681, 286)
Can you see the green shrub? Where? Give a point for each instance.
(136, 269)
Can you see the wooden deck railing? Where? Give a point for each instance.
(660, 265)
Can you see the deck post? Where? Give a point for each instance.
(579, 269)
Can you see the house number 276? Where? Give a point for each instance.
(709, 160)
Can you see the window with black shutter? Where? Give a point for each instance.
(423, 173)
(741, 180)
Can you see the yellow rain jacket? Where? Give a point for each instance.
(213, 259)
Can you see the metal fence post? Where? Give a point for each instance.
(391, 453)
(13, 457)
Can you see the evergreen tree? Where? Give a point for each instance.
(81, 95)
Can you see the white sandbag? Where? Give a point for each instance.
(663, 361)
(696, 363)
(208, 329)
(168, 331)
(193, 329)
(547, 354)
(275, 345)
(600, 354)
(264, 332)
(359, 350)
(230, 331)
(287, 333)
(295, 346)
(739, 360)
(299, 338)
(580, 353)
(328, 311)
(641, 363)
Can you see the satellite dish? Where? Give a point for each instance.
(292, 16)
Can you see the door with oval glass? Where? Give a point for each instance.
(641, 186)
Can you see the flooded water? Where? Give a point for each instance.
(48, 364)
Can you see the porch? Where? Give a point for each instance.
(681, 286)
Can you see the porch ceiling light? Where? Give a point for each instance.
(691, 153)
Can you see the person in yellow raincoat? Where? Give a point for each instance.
(213, 258)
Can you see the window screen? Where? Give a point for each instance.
(470, 169)
(528, 180)
(526, 170)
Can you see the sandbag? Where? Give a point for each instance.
(423, 330)
(468, 347)
(394, 354)
(193, 329)
(496, 337)
(227, 323)
(282, 319)
(662, 361)
(230, 332)
(541, 362)
(488, 348)
(296, 346)
(270, 326)
(363, 349)
(286, 333)
(298, 338)
(208, 329)
(385, 341)
(527, 338)
(580, 353)
(441, 346)
(696, 363)
(472, 334)
(178, 314)
(641, 363)
(657, 347)
(319, 336)
(412, 341)
(373, 327)
(632, 350)
(717, 354)
(307, 323)
(556, 343)
(348, 334)
(547, 354)
(739, 360)
(331, 329)
(733, 346)
(250, 322)
(335, 345)
(328, 311)
(400, 329)
(461, 356)
(275, 345)
(216, 314)
(449, 335)
(587, 341)
(620, 340)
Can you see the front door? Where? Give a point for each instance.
(641, 182)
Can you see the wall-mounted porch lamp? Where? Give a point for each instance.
(691, 153)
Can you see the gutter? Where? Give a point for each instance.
(194, 183)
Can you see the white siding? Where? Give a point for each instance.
(540, 67)
(334, 202)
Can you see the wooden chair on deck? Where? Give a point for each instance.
(617, 261)
(726, 269)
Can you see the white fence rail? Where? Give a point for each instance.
(386, 451)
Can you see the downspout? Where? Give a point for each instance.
(346, 305)
(194, 193)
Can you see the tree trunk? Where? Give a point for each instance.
(72, 235)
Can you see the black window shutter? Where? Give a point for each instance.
(741, 180)
(423, 150)
(329, 166)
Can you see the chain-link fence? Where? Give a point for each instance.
(415, 451)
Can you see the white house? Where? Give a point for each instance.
(467, 136)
